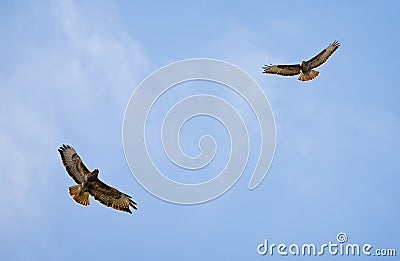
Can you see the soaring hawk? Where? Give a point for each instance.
(305, 68)
(89, 184)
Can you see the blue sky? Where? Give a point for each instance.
(68, 69)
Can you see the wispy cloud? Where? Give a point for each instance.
(72, 82)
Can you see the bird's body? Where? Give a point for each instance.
(88, 183)
(305, 68)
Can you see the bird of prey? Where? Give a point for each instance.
(89, 183)
(305, 68)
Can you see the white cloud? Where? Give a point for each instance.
(72, 79)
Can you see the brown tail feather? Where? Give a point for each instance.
(79, 196)
(73, 190)
(308, 76)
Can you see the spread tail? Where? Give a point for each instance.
(308, 76)
(80, 197)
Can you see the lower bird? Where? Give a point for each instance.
(89, 184)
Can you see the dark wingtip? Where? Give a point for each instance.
(64, 147)
(132, 204)
(61, 149)
(335, 43)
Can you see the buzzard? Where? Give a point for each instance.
(89, 183)
(305, 68)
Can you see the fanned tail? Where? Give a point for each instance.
(78, 195)
(308, 76)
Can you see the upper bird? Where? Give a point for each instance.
(305, 68)
(89, 183)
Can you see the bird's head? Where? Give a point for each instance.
(93, 175)
(304, 66)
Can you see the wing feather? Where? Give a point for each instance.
(111, 197)
(73, 163)
(323, 55)
(285, 70)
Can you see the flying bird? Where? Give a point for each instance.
(305, 68)
(89, 183)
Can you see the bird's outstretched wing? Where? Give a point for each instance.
(111, 197)
(285, 70)
(73, 163)
(323, 55)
